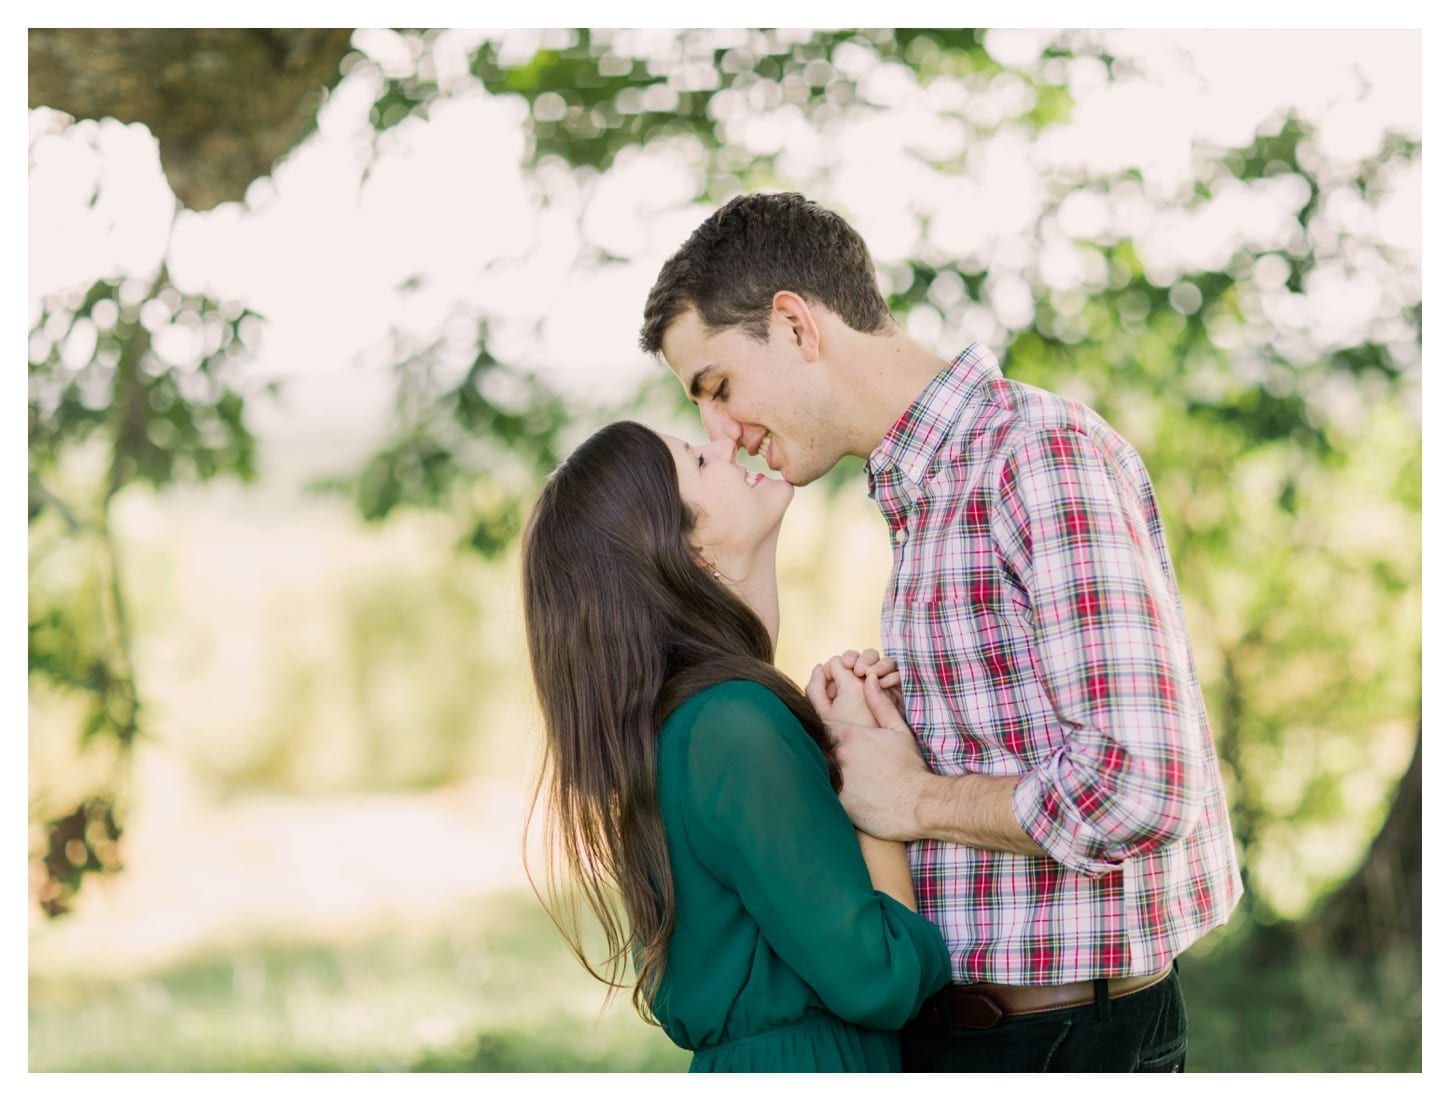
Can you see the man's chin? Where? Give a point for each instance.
(798, 478)
(797, 474)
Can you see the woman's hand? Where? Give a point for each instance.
(882, 769)
(869, 661)
(838, 695)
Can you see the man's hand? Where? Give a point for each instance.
(885, 776)
(890, 793)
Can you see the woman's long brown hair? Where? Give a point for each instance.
(624, 624)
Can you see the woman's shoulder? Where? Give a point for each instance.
(728, 700)
(741, 718)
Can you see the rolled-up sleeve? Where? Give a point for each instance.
(1112, 654)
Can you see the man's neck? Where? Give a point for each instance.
(882, 375)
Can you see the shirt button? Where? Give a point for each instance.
(900, 536)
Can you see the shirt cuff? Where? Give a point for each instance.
(1045, 817)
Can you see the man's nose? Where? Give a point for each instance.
(718, 425)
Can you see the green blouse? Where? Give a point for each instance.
(783, 957)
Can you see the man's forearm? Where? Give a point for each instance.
(975, 811)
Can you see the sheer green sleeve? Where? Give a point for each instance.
(762, 818)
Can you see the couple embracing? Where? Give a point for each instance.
(982, 851)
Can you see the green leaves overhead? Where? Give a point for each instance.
(595, 93)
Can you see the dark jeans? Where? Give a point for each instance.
(1143, 1031)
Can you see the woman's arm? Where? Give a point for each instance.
(762, 817)
(838, 697)
(887, 866)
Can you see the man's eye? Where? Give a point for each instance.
(722, 391)
(700, 460)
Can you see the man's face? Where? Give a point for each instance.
(765, 397)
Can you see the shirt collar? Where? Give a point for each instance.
(913, 441)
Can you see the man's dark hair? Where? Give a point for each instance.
(755, 245)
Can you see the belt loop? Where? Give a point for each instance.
(1105, 1004)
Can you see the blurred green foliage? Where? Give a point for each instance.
(78, 844)
(1287, 464)
(1286, 453)
(152, 369)
(606, 90)
(469, 443)
(1302, 1010)
(129, 383)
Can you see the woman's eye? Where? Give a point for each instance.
(700, 461)
(721, 391)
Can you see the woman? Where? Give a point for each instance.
(689, 775)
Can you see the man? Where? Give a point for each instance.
(1068, 827)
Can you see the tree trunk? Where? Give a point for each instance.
(1379, 906)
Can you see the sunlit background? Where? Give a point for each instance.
(281, 729)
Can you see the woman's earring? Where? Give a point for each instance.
(717, 575)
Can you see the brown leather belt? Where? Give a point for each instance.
(984, 1004)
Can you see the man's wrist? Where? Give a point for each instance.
(933, 808)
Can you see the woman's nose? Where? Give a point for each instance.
(723, 449)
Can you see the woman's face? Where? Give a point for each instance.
(738, 511)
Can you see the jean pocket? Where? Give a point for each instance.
(1164, 1044)
(1167, 1060)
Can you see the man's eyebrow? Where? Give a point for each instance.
(697, 388)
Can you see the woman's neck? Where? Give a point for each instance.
(759, 587)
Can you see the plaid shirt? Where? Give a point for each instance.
(1034, 614)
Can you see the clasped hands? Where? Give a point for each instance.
(858, 696)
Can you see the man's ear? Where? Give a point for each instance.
(793, 311)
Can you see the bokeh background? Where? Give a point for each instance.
(312, 314)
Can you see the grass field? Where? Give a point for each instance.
(493, 989)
